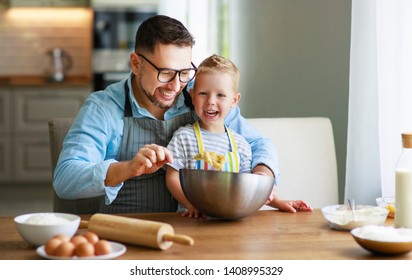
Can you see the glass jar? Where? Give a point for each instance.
(403, 184)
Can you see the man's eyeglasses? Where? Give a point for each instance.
(166, 75)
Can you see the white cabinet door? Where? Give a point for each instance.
(4, 110)
(33, 107)
(31, 159)
(5, 163)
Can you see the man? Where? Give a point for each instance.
(116, 146)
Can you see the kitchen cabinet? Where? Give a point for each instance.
(33, 107)
(3, 4)
(24, 137)
(4, 159)
(123, 3)
(4, 110)
(4, 139)
(49, 3)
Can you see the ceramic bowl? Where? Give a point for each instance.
(384, 240)
(37, 228)
(340, 216)
(225, 195)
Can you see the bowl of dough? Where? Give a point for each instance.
(341, 217)
(225, 195)
(37, 228)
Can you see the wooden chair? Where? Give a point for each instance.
(307, 158)
(58, 129)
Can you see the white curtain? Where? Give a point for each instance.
(380, 98)
(201, 18)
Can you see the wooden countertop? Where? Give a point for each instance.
(265, 235)
(43, 81)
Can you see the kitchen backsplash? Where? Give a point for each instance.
(26, 34)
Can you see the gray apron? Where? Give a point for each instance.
(146, 193)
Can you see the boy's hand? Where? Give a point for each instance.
(293, 206)
(193, 213)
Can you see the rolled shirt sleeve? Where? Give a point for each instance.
(89, 148)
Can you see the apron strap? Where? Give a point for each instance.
(234, 155)
(231, 140)
(188, 98)
(196, 127)
(127, 105)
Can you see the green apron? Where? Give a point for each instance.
(232, 159)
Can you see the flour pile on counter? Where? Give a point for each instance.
(46, 219)
(384, 234)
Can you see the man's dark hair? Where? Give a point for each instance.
(164, 30)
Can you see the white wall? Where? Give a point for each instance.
(294, 61)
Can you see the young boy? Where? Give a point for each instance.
(214, 93)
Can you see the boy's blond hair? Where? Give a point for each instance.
(218, 64)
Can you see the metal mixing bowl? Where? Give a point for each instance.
(225, 195)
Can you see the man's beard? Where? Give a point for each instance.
(153, 100)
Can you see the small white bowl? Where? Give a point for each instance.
(388, 203)
(340, 216)
(383, 239)
(37, 228)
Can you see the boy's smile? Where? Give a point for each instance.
(213, 96)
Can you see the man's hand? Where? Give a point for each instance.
(147, 161)
(263, 170)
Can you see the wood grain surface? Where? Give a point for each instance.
(265, 235)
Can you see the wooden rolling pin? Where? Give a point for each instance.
(135, 231)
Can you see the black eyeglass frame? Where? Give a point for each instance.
(170, 69)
